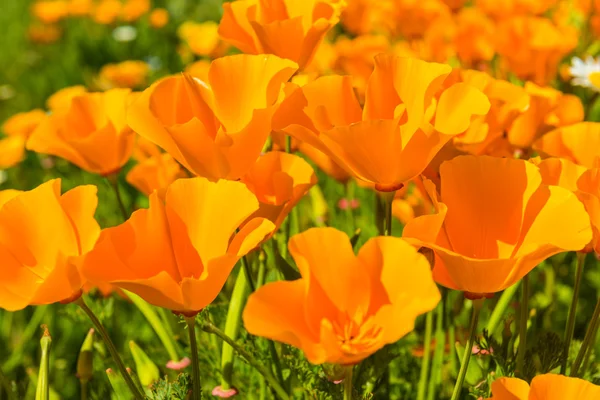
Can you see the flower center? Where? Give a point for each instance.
(594, 78)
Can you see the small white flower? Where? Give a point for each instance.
(586, 73)
(125, 33)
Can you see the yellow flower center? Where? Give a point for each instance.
(595, 79)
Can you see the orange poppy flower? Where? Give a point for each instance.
(411, 202)
(585, 183)
(215, 129)
(474, 40)
(134, 9)
(80, 8)
(279, 180)
(178, 253)
(61, 100)
(361, 17)
(579, 143)
(92, 133)
(400, 129)
(127, 74)
(202, 38)
(18, 128)
(291, 30)
(159, 17)
(107, 11)
(412, 19)
(50, 11)
(43, 33)
(346, 306)
(155, 173)
(532, 47)
(544, 387)
(199, 69)
(38, 267)
(511, 8)
(325, 163)
(548, 108)
(495, 221)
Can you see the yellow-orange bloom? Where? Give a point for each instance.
(44, 234)
(361, 17)
(579, 143)
(178, 253)
(61, 100)
(511, 8)
(155, 173)
(346, 306)
(544, 387)
(18, 128)
(548, 108)
(474, 39)
(92, 133)
(107, 11)
(44, 33)
(159, 17)
(80, 8)
(202, 38)
(218, 128)
(411, 201)
(585, 183)
(199, 69)
(400, 129)
(133, 9)
(50, 11)
(532, 47)
(287, 29)
(412, 19)
(130, 74)
(495, 221)
(279, 180)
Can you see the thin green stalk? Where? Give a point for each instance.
(348, 383)
(570, 328)
(453, 356)
(34, 323)
(500, 309)
(248, 272)
(43, 384)
(587, 340)
(477, 304)
(5, 382)
(523, 317)
(264, 371)
(422, 388)
(232, 325)
(197, 385)
(588, 353)
(111, 348)
(114, 183)
(385, 199)
(84, 391)
(438, 356)
(157, 324)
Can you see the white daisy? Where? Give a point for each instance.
(586, 73)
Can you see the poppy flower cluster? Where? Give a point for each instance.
(441, 111)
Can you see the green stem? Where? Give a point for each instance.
(523, 317)
(587, 340)
(84, 390)
(438, 355)
(588, 353)
(422, 389)
(348, 383)
(248, 272)
(34, 323)
(385, 199)
(197, 385)
(157, 324)
(500, 308)
(111, 348)
(477, 304)
(5, 382)
(114, 183)
(43, 384)
(453, 355)
(572, 312)
(272, 381)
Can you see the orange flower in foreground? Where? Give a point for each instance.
(279, 180)
(91, 133)
(495, 221)
(401, 128)
(291, 30)
(154, 173)
(61, 100)
(178, 253)
(18, 128)
(579, 143)
(127, 74)
(44, 234)
(585, 183)
(346, 306)
(218, 128)
(544, 387)
(159, 17)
